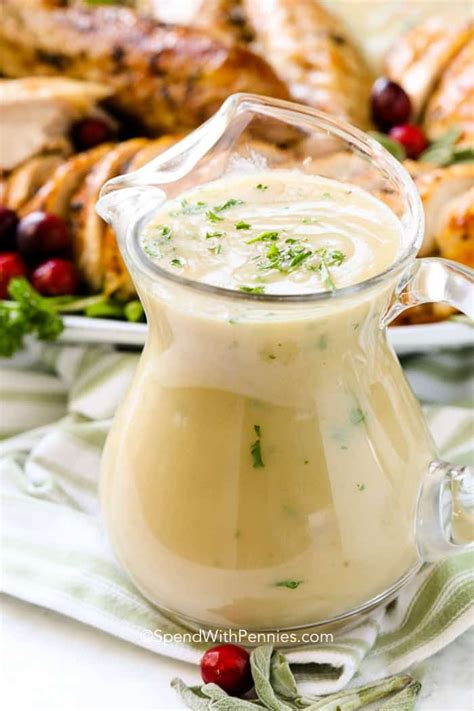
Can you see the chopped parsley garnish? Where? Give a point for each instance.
(290, 584)
(217, 235)
(232, 202)
(261, 186)
(256, 450)
(360, 487)
(299, 257)
(323, 342)
(329, 259)
(242, 225)
(356, 416)
(177, 262)
(188, 208)
(212, 217)
(267, 236)
(217, 249)
(253, 289)
(166, 232)
(326, 277)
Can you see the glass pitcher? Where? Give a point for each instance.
(270, 467)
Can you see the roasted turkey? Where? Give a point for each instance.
(168, 78)
(434, 63)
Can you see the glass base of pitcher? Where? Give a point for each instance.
(292, 636)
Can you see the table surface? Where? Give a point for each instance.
(52, 662)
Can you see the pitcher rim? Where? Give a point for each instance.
(267, 106)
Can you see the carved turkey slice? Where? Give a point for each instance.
(55, 195)
(88, 228)
(419, 57)
(437, 188)
(452, 104)
(24, 182)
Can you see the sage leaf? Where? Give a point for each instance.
(281, 677)
(405, 700)
(443, 151)
(192, 697)
(393, 147)
(221, 701)
(260, 660)
(360, 696)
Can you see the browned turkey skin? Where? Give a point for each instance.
(169, 78)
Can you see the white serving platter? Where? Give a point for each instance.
(405, 339)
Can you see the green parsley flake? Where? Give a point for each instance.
(326, 277)
(267, 236)
(360, 487)
(253, 289)
(212, 217)
(166, 232)
(217, 235)
(217, 249)
(242, 225)
(356, 416)
(290, 584)
(232, 202)
(255, 449)
(177, 262)
(261, 186)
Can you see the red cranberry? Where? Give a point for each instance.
(228, 666)
(11, 265)
(8, 223)
(391, 106)
(56, 277)
(90, 132)
(411, 137)
(41, 234)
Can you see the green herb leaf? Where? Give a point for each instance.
(217, 249)
(266, 236)
(29, 312)
(357, 697)
(443, 151)
(252, 289)
(360, 487)
(212, 217)
(192, 697)
(221, 701)
(290, 584)
(300, 257)
(105, 309)
(217, 235)
(256, 449)
(281, 677)
(260, 660)
(393, 147)
(336, 258)
(326, 277)
(232, 202)
(405, 700)
(261, 186)
(188, 209)
(176, 262)
(356, 416)
(134, 311)
(166, 232)
(242, 225)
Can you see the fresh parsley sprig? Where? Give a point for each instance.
(29, 313)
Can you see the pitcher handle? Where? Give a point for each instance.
(445, 511)
(430, 280)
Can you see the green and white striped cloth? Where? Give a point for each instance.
(57, 405)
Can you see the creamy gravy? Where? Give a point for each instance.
(275, 232)
(263, 470)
